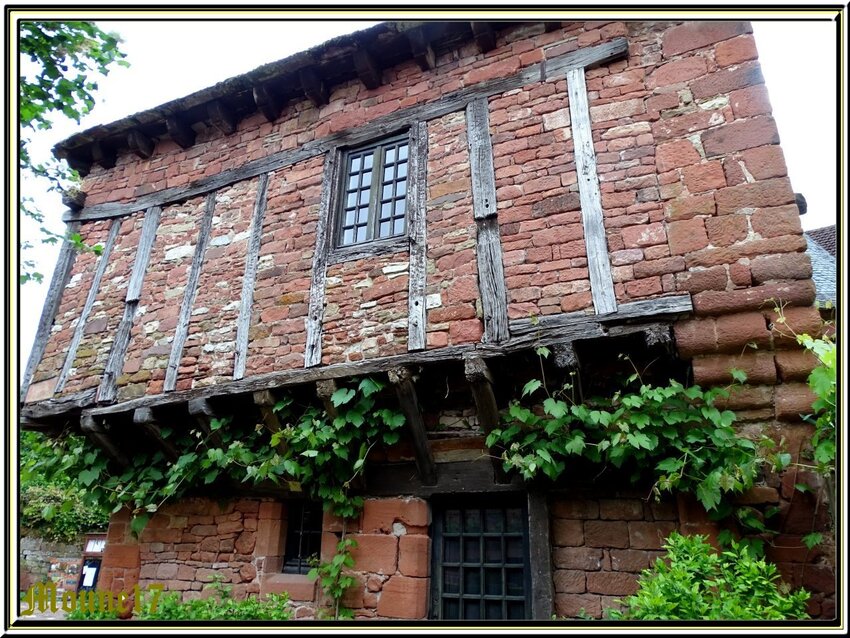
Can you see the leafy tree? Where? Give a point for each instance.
(58, 61)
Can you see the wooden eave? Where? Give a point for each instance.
(269, 88)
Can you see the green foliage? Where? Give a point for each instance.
(678, 431)
(219, 606)
(50, 506)
(332, 577)
(60, 62)
(822, 382)
(84, 612)
(696, 583)
(322, 454)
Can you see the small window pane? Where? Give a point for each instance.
(451, 550)
(471, 581)
(361, 234)
(400, 207)
(472, 521)
(349, 217)
(493, 609)
(513, 550)
(514, 580)
(451, 580)
(385, 229)
(390, 156)
(386, 210)
(493, 521)
(471, 609)
(367, 161)
(401, 188)
(451, 609)
(387, 191)
(352, 182)
(388, 174)
(514, 520)
(367, 179)
(348, 236)
(303, 536)
(362, 215)
(402, 170)
(493, 581)
(471, 550)
(364, 198)
(399, 226)
(351, 201)
(402, 152)
(452, 519)
(355, 164)
(492, 550)
(516, 610)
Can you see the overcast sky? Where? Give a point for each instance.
(172, 59)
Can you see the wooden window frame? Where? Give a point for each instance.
(337, 252)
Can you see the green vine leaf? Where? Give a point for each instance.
(342, 396)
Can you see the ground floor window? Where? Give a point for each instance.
(480, 560)
(303, 536)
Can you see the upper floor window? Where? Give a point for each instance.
(373, 202)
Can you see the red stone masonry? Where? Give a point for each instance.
(162, 294)
(276, 338)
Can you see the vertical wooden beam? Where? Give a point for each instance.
(420, 48)
(491, 275)
(313, 86)
(481, 383)
(243, 324)
(103, 260)
(313, 347)
(406, 393)
(103, 155)
(267, 102)
(266, 401)
(222, 117)
(147, 422)
(99, 435)
(140, 144)
(325, 390)
(601, 282)
(203, 412)
(179, 131)
(61, 275)
(540, 557)
(367, 69)
(485, 37)
(416, 187)
(107, 389)
(182, 329)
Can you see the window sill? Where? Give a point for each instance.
(369, 249)
(298, 586)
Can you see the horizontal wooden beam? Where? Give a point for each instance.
(385, 125)
(462, 477)
(525, 334)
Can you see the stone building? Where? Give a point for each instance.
(600, 187)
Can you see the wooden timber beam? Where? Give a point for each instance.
(179, 131)
(48, 429)
(103, 155)
(420, 48)
(540, 557)
(325, 390)
(203, 413)
(481, 383)
(367, 69)
(145, 419)
(397, 121)
(313, 86)
(140, 144)
(99, 435)
(222, 117)
(74, 199)
(267, 102)
(402, 379)
(485, 36)
(525, 334)
(266, 401)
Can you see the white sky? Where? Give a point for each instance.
(170, 60)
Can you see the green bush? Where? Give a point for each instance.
(53, 511)
(220, 606)
(697, 583)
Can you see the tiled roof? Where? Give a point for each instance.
(825, 236)
(823, 269)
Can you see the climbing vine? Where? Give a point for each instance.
(679, 432)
